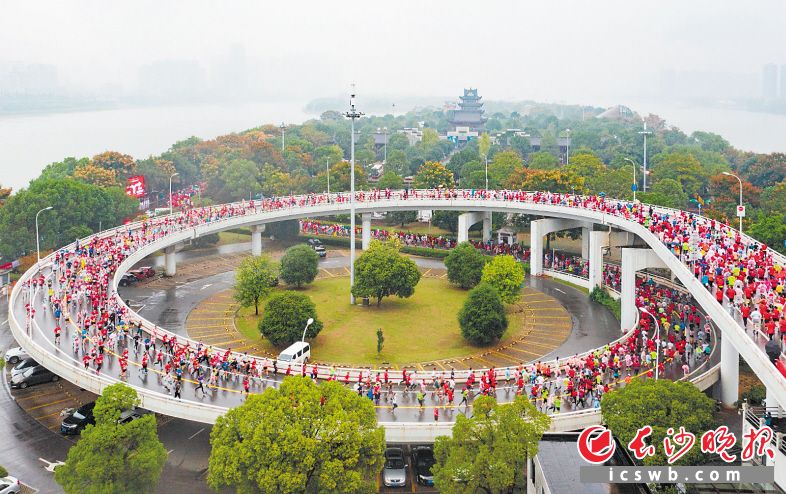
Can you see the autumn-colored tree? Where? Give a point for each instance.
(763, 170)
(503, 165)
(551, 180)
(95, 175)
(5, 193)
(725, 193)
(340, 175)
(773, 199)
(122, 164)
(682, 167)
(433, 174)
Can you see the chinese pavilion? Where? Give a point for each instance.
(469, 113)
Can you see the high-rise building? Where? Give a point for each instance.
(783, 82)
(769, 82)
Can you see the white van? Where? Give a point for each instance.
(296, 353)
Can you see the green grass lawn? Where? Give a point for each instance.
(225, 238)
(421, 328)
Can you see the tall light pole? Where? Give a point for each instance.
(308, 323)
(170, 190)
(37, 247)
(567, 147)
(486, 157)
(634, 187)
(283, 128)
(327, 172)
(352, 114)
(645, 133)
(739, 211)
(657, 339)
(385, 159)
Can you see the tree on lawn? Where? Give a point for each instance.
(299, 265)
(465, 265)
(286, 315)
(661, 404)
(506, 275)
(299, 438)
(254, 279)
(482, 318)
(488, 452)
(381, 271)
(111, 457)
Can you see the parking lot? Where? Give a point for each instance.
(412, 485)
(45, 402)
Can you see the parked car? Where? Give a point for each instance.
(10, 485)
(422, 461)
(395, 472)
(133, 414)
(315, 244)
(128, 279)
(34, 375)
(147, 271)
(78, 419)
(22, 366)
(15, 354)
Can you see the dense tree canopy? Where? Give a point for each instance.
(111, 457)
(506, 275)
(661, 404)
(299, 265)
(433, 174)
(298, 438)
(381, 271)
(465, 265)
(254, 279)
(482, 317)
(488, 451)
(77, 210)
(286, 316)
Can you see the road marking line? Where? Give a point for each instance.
(192, 436)
(560, 291)
(47, 404)
(42, 393)
(48, 415)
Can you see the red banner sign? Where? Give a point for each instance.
(136, 186)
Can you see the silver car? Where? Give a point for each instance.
(14, 355)
(10, 485)
(395, 471)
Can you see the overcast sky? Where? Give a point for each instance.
(573, 51)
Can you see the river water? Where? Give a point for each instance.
(29, 142)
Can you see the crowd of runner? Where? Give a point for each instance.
(741, 274)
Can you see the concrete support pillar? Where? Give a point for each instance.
(366, 235)
(536, 248)
(632, 261)
(170, 267)
(487, 226)
(772, 404)
(730, 373)
(585, 242)
(465, 222)
(256, 239)
(596, 241)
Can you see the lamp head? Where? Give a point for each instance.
(310, 321)
(48, 208)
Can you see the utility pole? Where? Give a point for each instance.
(352, 114)
(327, 172)
(283, 128)
(567, 147)
(645, 133)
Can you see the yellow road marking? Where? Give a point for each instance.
(48, 404)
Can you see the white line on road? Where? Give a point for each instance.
(51, 465)
(196, 433)
(205, 286)
(4, 321)
(560, 291)
(170, 451)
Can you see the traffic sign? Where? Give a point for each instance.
(633, 187)
(740, 211)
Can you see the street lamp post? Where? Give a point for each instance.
(657, 339)
(635, 186)
(739, 213)
(170, 191)
(352, 114)
(645, 133)
(37, 246)
(283, 128)
(308, 323)
(385, 159)
(487, 171)
(567, 147)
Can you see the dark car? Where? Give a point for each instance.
(34, 375)
(133, 414)
(77, 420)
(128, 279)
(315, 244)
(422, 461)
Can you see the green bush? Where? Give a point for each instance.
(424, 251)
(755, 395)
(3, 471)
(482, 318)
(336, 241)
(286, 315)
(299, 265)
(465, 265)
(600, 296)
